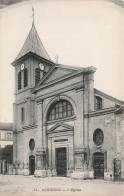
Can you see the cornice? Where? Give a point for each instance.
(23, 90)
(59, 80)
(60, 120)
(29, 127)
(59, 133)
(6, 140)
(80, 88)
(30, 54)
(85, 71)
(25, 128)
(76, 86)
(65, 127)
(21, 101)
(100, 112)
(79, 150)
(40, 102)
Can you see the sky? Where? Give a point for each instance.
(83, 33)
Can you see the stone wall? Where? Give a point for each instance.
(107, 124)
(120, 141)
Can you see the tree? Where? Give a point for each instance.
(6, 153)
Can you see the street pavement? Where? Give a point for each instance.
(17, 185)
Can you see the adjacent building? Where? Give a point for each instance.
(63, 126)
(6, 138)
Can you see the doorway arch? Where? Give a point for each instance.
(31, 164)
(98, 165)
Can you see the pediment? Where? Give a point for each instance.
(60, 128)
(58, 73)
(53, 74)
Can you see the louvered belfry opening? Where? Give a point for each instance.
(22, 114)
(19, 80)
(37, 75)
(25, 77)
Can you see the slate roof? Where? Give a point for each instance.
(33, 44)
(6, 126)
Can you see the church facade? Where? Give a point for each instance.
(63, 126)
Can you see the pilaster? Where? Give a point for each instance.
(40, 164)
(79, 122)
(40, 125)
(40, 153)
(89, 91)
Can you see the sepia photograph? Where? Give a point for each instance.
(61, 97)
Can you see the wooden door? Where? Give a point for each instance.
(99, 165)
(61, 162)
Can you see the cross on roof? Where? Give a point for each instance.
(33, 14)
(57, 57)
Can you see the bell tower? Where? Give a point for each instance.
(31, 64)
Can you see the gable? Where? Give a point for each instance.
(56, 74)
(60, 128)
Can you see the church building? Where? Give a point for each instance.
(63, 126)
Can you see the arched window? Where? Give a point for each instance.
(22, 114)
(98, 137)
(98, 103)
(19, 80)
(60, 109)
(25, 77)
(37, 75)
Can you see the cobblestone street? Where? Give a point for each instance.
(11, 185)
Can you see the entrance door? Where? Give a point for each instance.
(99, 165)
(61, 162)
(32, 164)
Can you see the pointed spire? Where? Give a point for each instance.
(33, 23)
(33, 44)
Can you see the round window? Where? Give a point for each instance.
(98, 137)
(32, 144)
